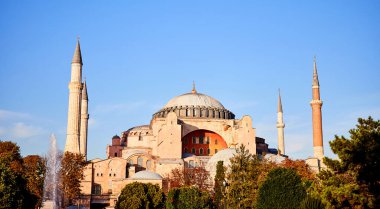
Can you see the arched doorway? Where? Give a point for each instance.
(202, 143)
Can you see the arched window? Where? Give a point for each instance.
(130, 162)
(140, 162)
(185, 151)
(187, 112)
(208, 151)
(216, 141)
(191, 164)
(194, 112)
(200, 139)
(216, 150)
(194, 140)
(193, 150)
(148, 164)
(196, 164)
(97, 189)
(115, 154)
(208, 140)
(201, 151)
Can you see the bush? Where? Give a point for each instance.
(140, 196)
(311, 203)
(282, 188)
(189, 198)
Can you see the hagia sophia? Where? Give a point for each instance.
(191, 130)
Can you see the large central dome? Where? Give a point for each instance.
(195, 105)
(194, 99)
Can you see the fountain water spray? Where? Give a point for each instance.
(53, 164)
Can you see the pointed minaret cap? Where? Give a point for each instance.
(315, 74)
(279, 107)
(84, 91)
(77, 58)
(194, 91)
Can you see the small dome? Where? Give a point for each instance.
(116, 137)
(223, 155)
(194, 99)
(146, 175)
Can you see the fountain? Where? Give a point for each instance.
(51, 190)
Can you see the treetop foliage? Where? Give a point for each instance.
(189, 198)
(282, 189)
(140, 196)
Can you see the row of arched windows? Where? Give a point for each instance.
(140, 162)
(201, 151)
(199, 140)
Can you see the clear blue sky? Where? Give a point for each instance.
(139, 54)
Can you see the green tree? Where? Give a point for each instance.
(353, 181)
(242, 179)
(219, 187)
(34, 173)
(12, 183)
(282, 189)
(140, 196)
(311, 203)
(189, 198)
(71, 173)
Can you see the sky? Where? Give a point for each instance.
(138, 55)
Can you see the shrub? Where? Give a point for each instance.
(189, 198)
(282, 188)
(140, 196)
(311, 203)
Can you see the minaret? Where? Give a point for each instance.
(316, 106)
(84, 122)
(280, 126)
(74, 115)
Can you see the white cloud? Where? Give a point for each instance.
(21, 130)
(10, 115)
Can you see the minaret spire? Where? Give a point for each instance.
(77, 58)
(316, 106)
(75, 97)
(279, 107)
(280, 126)
(315, 74)
(84, 121)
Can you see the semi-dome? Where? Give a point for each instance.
(194, 99)
(223, 155)
(146, 175)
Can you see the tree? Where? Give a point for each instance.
(189, 198)
(12, 183)
(140, 196)
(71, 174)
(219, 185)
(354, 180)
(34, 173)
(282, 189)
(311, 203)
(198, 177)
(242, 179)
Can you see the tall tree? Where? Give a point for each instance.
(219, 185)
(198, 177)
(12, 183)
(34, 173)
(353, 181)
(140, 196)
(241, 179)
(282, 189)
(71, 173)
(189, 198)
